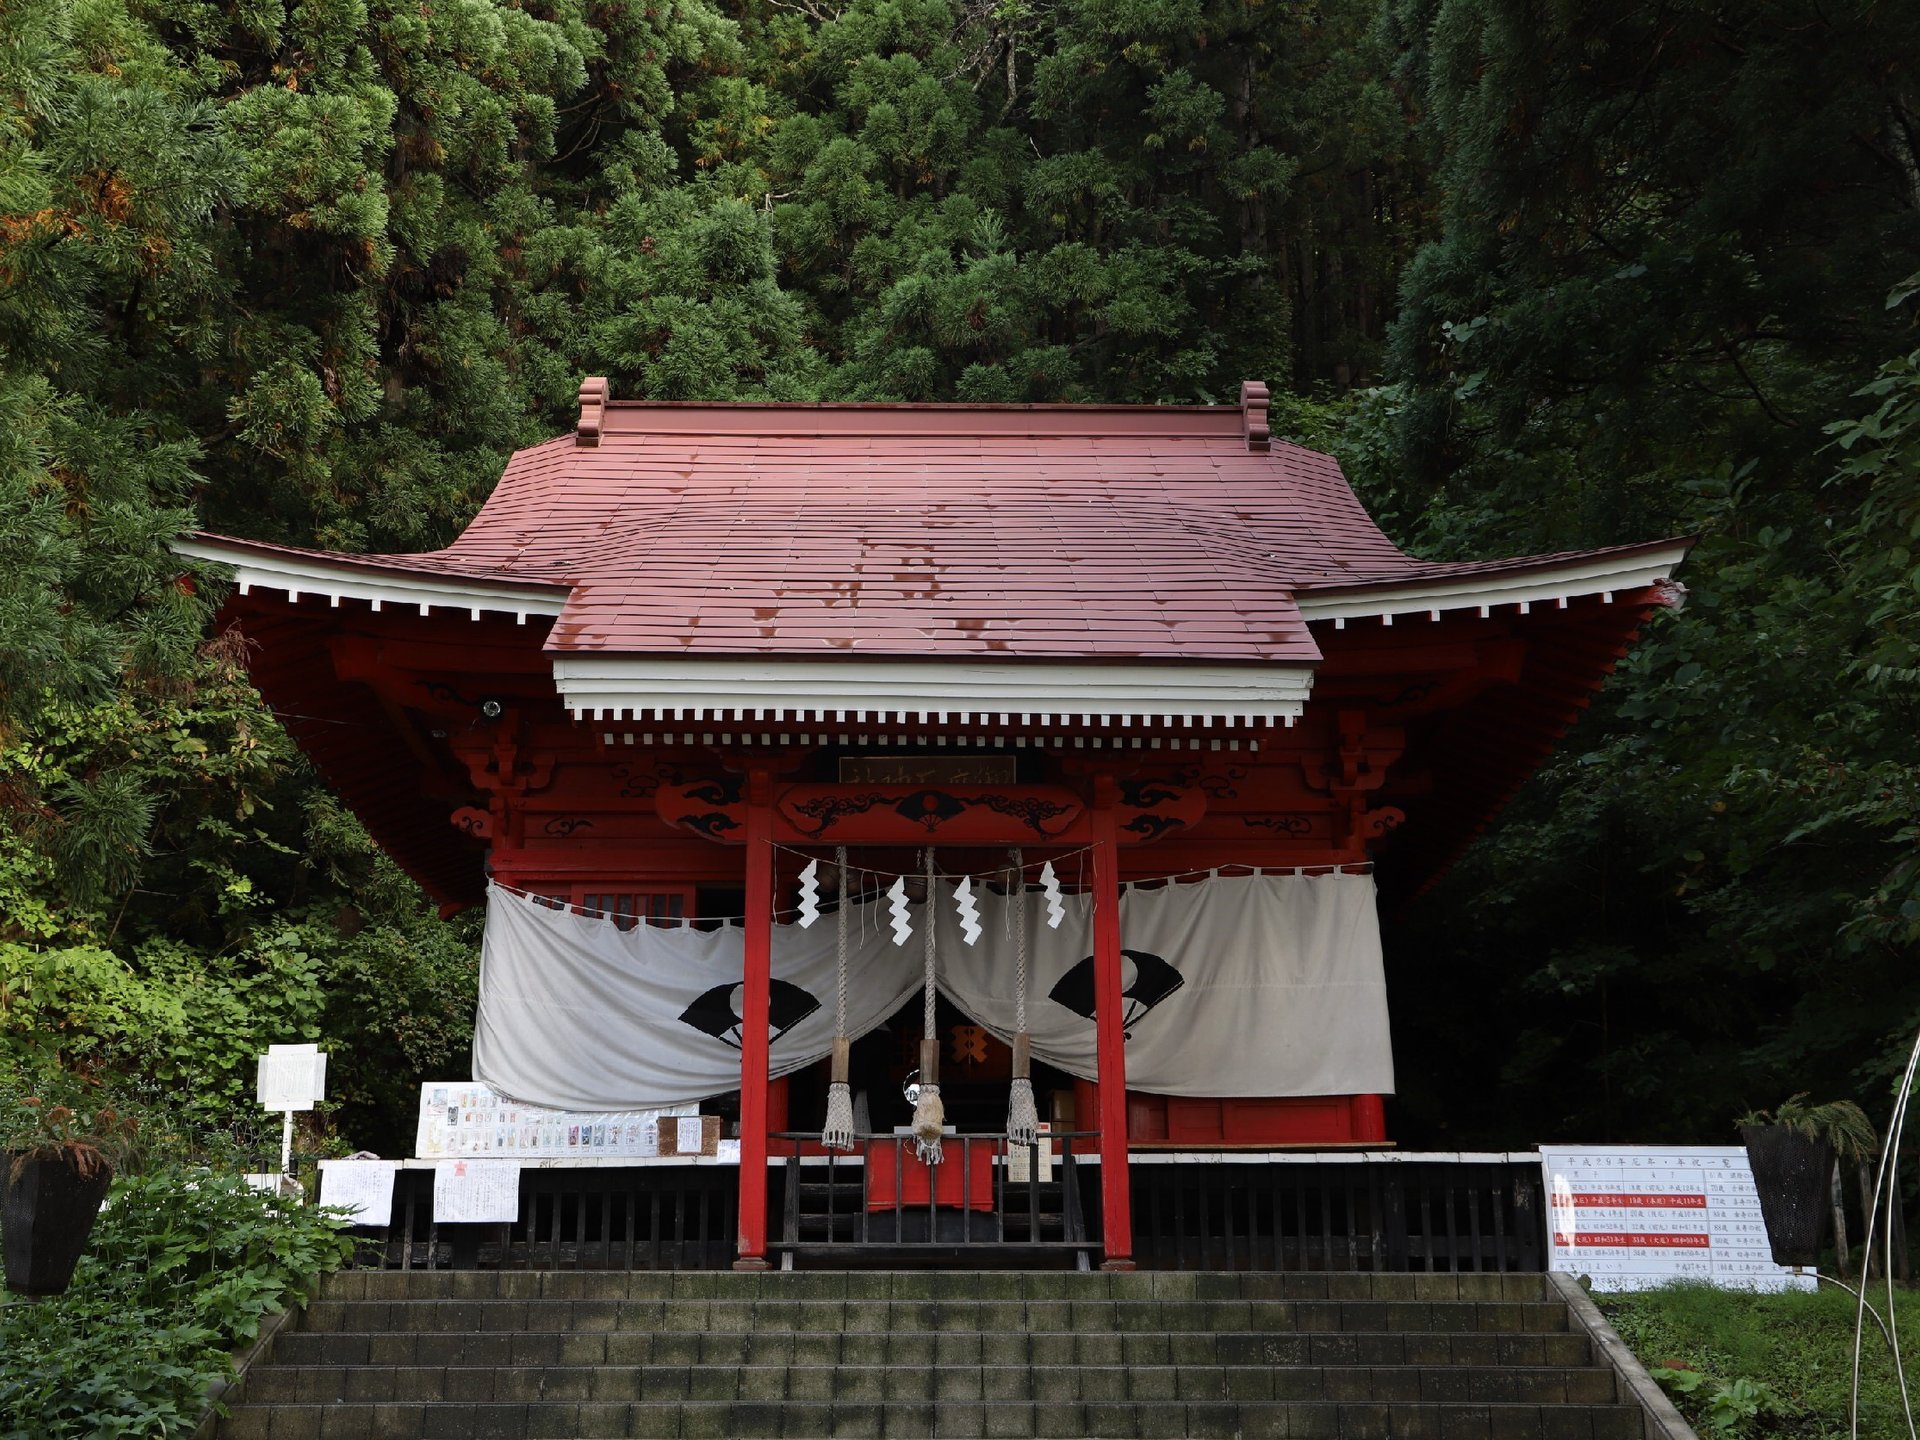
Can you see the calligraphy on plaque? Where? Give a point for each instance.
(927, 770)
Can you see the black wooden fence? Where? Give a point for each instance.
(613, 1218)
(1321, 1212)
(1313, 1213)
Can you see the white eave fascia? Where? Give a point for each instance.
(298, 575)
(1602, 575)
(1034, 694)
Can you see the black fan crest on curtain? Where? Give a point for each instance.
(712, 1013)
(1154, 979)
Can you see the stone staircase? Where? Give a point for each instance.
(1319, 1357)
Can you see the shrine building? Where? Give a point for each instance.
(816, 751)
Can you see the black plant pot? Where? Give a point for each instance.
(1793, 1173)
(47, 1209)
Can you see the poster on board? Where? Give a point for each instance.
(364, 1188)
(472, 1192)
(1631, 1217)
(461, 1117)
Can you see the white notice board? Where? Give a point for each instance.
(1634, 1216)
(291, 1077)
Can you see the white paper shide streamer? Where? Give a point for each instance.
(1050, 886)
(968, 911)
(809, 895)
(902, 917)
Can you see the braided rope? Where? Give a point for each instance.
(840, 971)
(927, 1027)
(837, 1132)
(929, 1115)
(1020, 945)
(1023, 1116)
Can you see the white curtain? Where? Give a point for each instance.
(1276, 985)
(579, 1014)
(1236, 986)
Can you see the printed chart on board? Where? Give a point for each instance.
(1631, 1217)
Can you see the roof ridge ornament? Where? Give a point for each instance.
(1253, 410)
(594, 394)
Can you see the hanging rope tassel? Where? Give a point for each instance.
(929, 1115)
(837, 1133)
(1023, 1117)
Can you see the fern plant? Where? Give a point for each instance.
(1841, 1123)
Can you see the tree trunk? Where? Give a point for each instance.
(1842, 1261)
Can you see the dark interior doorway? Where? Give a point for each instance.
(975, 1070)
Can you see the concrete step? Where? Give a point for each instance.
(1057, 1354)
(972, 1384)
(921, 1285)
(741, 1316)
(1120, 1420)
(501, 1348)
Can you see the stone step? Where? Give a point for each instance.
(970, 1384)
(793, 1420)
(501, 1348)
(934, 1316)
(923, 1285)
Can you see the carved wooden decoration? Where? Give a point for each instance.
(921, 815)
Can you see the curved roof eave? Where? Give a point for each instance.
(1526, 581)
(378, 579)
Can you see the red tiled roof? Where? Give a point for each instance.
(913, 534)
(1143, 532)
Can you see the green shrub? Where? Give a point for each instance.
(183, 1266)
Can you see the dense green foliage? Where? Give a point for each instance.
(1739, 1364)
(1669, 295)
(184, 1265)
(1542, 277)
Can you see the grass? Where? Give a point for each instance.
(1797, 1348)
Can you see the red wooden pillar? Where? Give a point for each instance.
(1116, 1196)
(754, 1029)
(1369, 1118)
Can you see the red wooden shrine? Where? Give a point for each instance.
(686, 636)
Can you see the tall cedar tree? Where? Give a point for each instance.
(1669, 236)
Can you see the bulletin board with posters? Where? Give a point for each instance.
(462, 1118)
(1634, 1217)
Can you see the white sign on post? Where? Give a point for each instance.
(1631, 1217)
(476, 1192)
(364, 1187)
(292, 1077)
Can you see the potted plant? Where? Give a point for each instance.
(1792, 1150)
(55, 1140)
